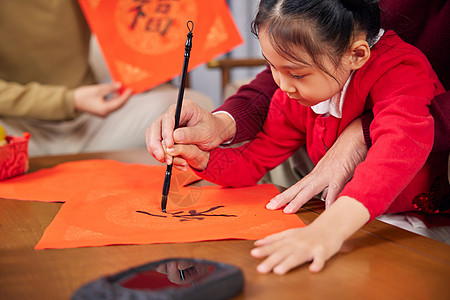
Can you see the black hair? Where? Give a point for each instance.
(318, 26)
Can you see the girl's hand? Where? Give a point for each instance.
(93, 98)
(332, 172)
(316, 242)
(184, 155)
(294, 247)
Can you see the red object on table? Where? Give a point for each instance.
(14, 156)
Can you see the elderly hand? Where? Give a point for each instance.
(197, 127)
(332, 172)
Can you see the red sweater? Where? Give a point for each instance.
(397, 83)
(423, 23)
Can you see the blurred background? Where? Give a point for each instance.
(208, 81)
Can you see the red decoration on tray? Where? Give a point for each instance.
(437, 199)
(14, 156)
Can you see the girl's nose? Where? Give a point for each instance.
(286, 85)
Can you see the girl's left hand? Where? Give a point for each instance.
(294, 247)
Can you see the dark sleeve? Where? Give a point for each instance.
(439, 109)
(424, 25)
(249, 106)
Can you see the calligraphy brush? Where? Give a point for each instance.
(187, 51)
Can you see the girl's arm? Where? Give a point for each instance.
(402, 128)
(316, 242)
(282, 134)
(247, 164)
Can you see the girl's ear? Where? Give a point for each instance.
(359, 54)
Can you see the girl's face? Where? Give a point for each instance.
(307, 84)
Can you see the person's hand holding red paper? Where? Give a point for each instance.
(100, 99)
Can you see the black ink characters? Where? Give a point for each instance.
(192, 215)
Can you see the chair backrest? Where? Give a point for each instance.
(227, 64)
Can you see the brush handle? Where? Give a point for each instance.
(187, 52)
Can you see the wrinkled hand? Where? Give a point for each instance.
(332, 171)
(92, 98)
(197, 127)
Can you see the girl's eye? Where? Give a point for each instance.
(297, 76)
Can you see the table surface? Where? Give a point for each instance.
(379, 261)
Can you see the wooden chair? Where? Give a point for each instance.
(227, 64)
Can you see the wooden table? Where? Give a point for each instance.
(379, 262)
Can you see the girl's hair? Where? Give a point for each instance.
(318, 26)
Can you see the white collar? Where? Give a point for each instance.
(333, 106)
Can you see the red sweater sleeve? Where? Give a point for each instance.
(250, 104)
(247, 164)
(401, 131)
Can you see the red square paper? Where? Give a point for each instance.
(143, 40)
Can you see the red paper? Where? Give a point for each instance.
(60, 183)
(108, 202)
(133, 216)
(143, 40)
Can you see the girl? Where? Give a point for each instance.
(332, 62)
